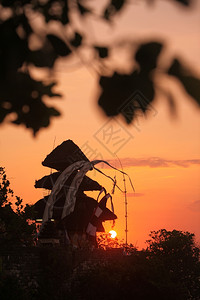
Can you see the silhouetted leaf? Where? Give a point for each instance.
(65, 11)
(47, 89)
(3, 113)
(13, 49)
(126, 94)
(59, 45)
(118, 4)
(191, 83)
(106, 14)
(53, 10)
(102, 51)
(184, 2)
(76, 41)
(113, 7)
(38, 116)
(83, 10)
(10, 3)
(43, 58)
(26, 26)
(25, 98)
(147, 55)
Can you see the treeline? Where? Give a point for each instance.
(15, 230)
(169, 268)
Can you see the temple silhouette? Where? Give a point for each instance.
(66, 214)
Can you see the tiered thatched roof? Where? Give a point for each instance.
(60, 158)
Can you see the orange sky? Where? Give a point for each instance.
(168, 193)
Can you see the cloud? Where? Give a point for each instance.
(195, 206)
(153, 162)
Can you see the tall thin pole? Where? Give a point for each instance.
(126, 214)
(126, 208)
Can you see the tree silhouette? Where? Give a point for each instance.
(22, 96)
(14, 228)
(177, 253)
(168, 269)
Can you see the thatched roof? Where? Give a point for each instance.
(60, 158)
(48, 181)
(63, 156)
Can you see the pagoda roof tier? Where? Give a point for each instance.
(87, 184)
(64, 155)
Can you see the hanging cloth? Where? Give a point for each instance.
(70, 200)
(92, 226)
(48, 212)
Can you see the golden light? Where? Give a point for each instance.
(113, 234)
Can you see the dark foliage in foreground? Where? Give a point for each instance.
(168, 269)
(14, 227)
(168, 272)
(23, 97)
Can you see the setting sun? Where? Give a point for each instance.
(113, 234)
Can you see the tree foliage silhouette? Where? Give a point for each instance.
(168, 269)
(23, 98)
(177, 253)
(14, 228)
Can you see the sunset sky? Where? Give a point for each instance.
(162, 153)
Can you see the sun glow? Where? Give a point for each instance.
(113, 234)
